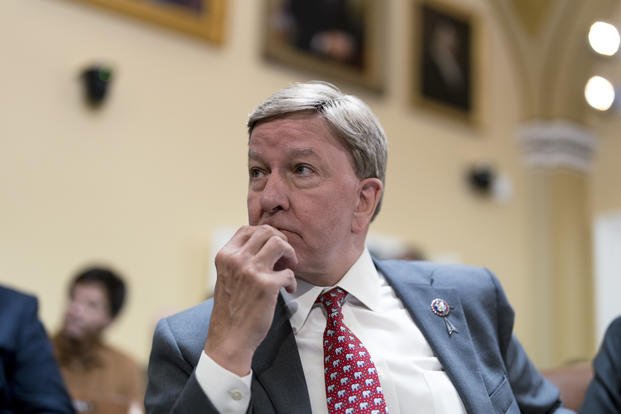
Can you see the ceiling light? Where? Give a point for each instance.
(599, 93)
(604, 38)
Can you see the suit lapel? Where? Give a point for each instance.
(456, 352)
(277, 366)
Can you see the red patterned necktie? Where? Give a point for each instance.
(352, 383)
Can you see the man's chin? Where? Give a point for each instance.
(74, 333)
(73, 336)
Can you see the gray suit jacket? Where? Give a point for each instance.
(604, 393)
(485, 362)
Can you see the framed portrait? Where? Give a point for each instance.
(201, 18)
(444, 65)
(338, 40)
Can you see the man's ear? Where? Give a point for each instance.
(369, 195)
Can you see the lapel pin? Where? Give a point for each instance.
(441, 308)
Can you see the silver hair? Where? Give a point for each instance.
(350, 118)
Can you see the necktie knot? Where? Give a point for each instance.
(332, 300)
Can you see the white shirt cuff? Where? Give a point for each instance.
(228, 392)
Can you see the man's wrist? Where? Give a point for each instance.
(233, 359)
(227, 391)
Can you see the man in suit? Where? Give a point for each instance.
(30, 381)
(428, 338)
(604, 393)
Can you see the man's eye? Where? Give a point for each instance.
(255, 172)
(303, 169)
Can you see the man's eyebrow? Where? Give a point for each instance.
(302, 152)
(295, 152)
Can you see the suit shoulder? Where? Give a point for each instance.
(613, 331)
(451, 275)
(200, 310)
(184, 332)
(472, 281)
(187, 322)
(7, 293)
(19, 313)
(615, 325)
(12, 299)
(461, 274)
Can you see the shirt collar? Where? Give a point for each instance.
(362, 281)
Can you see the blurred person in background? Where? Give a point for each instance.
(30, 381)
(100, 378)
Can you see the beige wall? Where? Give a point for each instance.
(143, 183)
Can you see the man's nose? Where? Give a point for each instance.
(75, 308)
(275, 194)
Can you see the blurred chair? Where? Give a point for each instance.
(572, 380)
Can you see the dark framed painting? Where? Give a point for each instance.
(444, 65)
(338, 40)
(201, 18)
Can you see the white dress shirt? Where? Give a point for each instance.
(412, 378)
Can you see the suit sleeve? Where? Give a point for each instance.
(172, 386)
(533, 393)
(604, 393)
(37, 384)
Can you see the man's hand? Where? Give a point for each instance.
(246, 293)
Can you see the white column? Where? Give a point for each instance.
(558, 155)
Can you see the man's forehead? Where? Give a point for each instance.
(97, 289)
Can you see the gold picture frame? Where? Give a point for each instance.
(444, 76)
(200, 18)
(339, 40)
